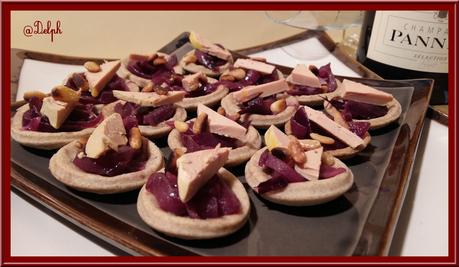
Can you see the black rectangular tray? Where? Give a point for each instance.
(359, 223)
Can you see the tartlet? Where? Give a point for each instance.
(190, 228)
(277, 107)
(247, 142)
(207, 57)
(363, 103)
(394, 110)
(65, 171)
(113, 159)
(148, 110)
(305, 193)
(47, 140)
(141, 69)
(339, 149)
(194, 197)
(311, 85)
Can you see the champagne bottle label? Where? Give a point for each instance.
(415, 40)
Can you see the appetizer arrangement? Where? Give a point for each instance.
(295, 173)
(106, 120)
(210, 129)
(194, 197)
(363, 103)
(113, 159)
(263, 105)
(311, 85)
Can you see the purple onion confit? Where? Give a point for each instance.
(215, 199)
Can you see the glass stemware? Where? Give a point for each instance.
(319, 21)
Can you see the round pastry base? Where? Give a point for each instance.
(188, 228)
(62, 168)
(260, 121)
(42, 140)
(306, 193)
(236, 156)
(392, 115)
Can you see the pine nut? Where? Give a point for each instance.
(199, 123)
(322, 139)
(296, 151)
(92, 66)
(189, 58)
(227, 77)
(221, 111)
(328, 159)
(238, 74)
(148, 87)
(278, 106)
(309, 144)
(181, 126)
(65, 94)
(28, 95)
(135, 138)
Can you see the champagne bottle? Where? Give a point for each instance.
(407, 45)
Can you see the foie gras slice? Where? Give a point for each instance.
(149, 99)
(56, 111)
(262, 90)
(275, 138)
(311, 168)
(364, 93)
(195, 169)
(303, 75)
(221, 125)
(204, 45)
(98, 80)
(109, 134)
(254, 65)
(333, 128)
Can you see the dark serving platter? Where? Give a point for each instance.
(361, 222)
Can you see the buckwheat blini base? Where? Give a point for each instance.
(393, 113)
(195, 68)
(210, 100)
(236, 156)
(62, 168)
(188, 228)
(318, 99)
(342, 153)
(42, 140)
(150, 131)
(306, 193)
(261, 121)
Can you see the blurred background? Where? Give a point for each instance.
(114, 34)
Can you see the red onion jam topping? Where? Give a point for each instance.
(113, 163)
(325, 76)
(282, 172)
(215, 199)
(258, 106)
(209, 61)
(82, 116)
(301, 127)
(134, 115)
(358, 110)
(106, 95)
(204, 140)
